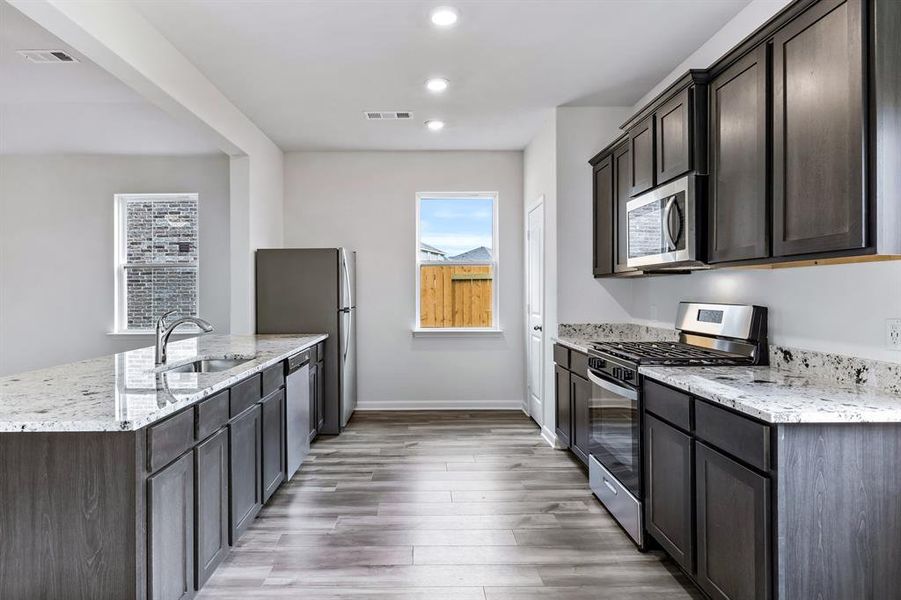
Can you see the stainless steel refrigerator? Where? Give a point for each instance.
(312, 290)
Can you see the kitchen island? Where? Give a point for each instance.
(121, 480)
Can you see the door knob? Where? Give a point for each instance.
(537, 328)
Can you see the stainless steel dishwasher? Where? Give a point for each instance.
(297, 410)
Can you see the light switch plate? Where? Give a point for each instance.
(893, 334)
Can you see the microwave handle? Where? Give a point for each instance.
(670, 239)
(612, 387)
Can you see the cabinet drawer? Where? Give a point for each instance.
(561, 355)
(667, 403)
(212, 414)
(743, 438)
(170, 439)
(300, 358)
(273, 378)
(578, 363)
(244, 395)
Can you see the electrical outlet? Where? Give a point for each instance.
(893, 334)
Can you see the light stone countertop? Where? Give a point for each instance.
(123, 393)
(779, 396)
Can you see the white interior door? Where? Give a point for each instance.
(535, 310)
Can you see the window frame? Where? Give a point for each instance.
(495, 327)
(120, 287)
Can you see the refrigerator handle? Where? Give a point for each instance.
(345, 279)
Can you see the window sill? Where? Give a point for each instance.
(150, 332)
(456, 331)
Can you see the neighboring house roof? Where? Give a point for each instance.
(480, 254)
(426, 248)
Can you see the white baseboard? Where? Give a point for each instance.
(440, 405)
(550, 437)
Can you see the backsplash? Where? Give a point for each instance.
(621, 332)
(838, 369)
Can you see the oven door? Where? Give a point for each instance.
(614, 430)
(660, 226)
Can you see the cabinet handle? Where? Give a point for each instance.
(537, 328)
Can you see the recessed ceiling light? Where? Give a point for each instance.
(445, 16)
(436, 85)
(435, 125)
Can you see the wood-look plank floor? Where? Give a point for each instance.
(440, 506)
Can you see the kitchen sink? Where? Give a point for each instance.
(206, 365)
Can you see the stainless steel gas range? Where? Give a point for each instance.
(709, 334)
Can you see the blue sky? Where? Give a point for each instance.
(456, 225)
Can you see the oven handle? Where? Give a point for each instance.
(612, 387)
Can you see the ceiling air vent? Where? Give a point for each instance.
(387, 115)
(47, 56)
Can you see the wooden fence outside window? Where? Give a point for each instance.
(456, 295)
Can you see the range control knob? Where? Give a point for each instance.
(618, 372)
(628, 374)
(597, 363)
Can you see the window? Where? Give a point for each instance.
(157, 260)
(456, 261)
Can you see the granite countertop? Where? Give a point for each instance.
(123, 392)
(780, 396)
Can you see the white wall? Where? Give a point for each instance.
(540, 183)
(57, 250)
(119, 39)
(839, 308)
(366, 202)
(581, 133)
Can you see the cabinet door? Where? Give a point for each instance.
(737, 212)
(673, 147)
(668, 504)
(603, 217)
(314, 386)
(273, 415)
(245, 465)
(621, 189)
(564, 409)
(818, 124)
(641, 149)
(580, 392)
(733, 530)
(171, 531)
(211, 501)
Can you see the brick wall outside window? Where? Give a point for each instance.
(160, 257)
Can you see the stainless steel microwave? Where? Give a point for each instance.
(663, 227)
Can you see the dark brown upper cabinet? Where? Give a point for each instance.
(672, 139)
(641, 151)
(603, 217)
(621, 190)
(738, 223)
(819, 196)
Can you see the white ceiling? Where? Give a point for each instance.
(77, 108)
(305, 70)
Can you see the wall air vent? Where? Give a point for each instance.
(387, 115)
(47, 56)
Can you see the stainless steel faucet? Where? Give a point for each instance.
(163, 332)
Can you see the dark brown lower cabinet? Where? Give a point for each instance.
(733, 528)
(668, 497)
(245, 470)
(273, 416)
(170, 532)
(580, 393)
(211, 498)
(563, 406)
